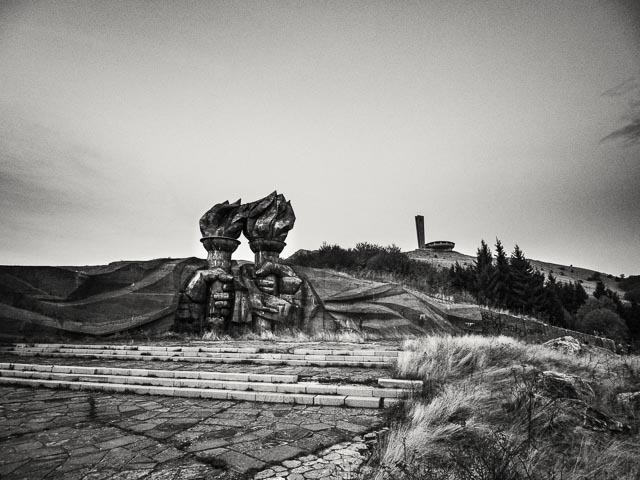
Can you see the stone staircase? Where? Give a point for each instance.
(258, 387)
(211, 385)
(243, 355)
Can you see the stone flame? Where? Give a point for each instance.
(270, 218)
(223, 220)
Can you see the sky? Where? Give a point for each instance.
(121, 123)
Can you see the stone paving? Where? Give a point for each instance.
(89, 435)
(342, 461)
(77, 435)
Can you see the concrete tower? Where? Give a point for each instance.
(420, 230)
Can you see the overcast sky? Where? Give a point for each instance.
(121, 123)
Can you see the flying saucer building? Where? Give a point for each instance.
(439, 245)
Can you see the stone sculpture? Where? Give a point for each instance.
(238, 296)
(263, 295)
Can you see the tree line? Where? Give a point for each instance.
(511, 283)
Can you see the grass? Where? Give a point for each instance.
(295, 335)
(491, 409)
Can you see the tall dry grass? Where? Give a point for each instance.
(428, 425)
(484, 416)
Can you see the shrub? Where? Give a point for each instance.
(603, 321)
(374, 262)
(594, 277)
(633, 295)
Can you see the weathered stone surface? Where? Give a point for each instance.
(387, 309)
(239, 461)
(561, 385)
(277, 454)
(93, 300)
(130, 436)
(343, 460)
(566, 344)
(269, 218)
(365, 402)
(222, 220)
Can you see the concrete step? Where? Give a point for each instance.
(399, 383)
(192, 384)
(374, 361)
(311, 388)
(342, 352)
(178, 374)
(151, 348)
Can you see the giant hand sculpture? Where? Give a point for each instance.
(220, 228)
(267, 223)
(263, 295)
(277, 278)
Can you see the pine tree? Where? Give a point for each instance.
(572, 296)
(600, 290)
(521, 281)
(461, 277)
(483, 270)
(501, 277)
(552, 303)
(579, 296)
(536, 298)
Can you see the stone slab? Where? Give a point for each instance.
(388, 402)
(329, 400)
(399, 383)
(362, 402)
(355, 391)
(321, 389)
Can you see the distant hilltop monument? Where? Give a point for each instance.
(441, 245)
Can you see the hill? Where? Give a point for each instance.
(563, 273)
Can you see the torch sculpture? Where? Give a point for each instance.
(220, 227)
(267, 224)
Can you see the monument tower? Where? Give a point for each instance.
(420, 230)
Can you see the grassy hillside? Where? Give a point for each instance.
(496, 408)
(563, 273)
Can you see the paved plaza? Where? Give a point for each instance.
(76, 434)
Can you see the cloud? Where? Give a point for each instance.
(629, 91)
(630, 133)
(44, 175)
(629, 85)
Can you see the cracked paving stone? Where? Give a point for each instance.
(207, 445)
(240, 462)
(277, 454)
(84, 435)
